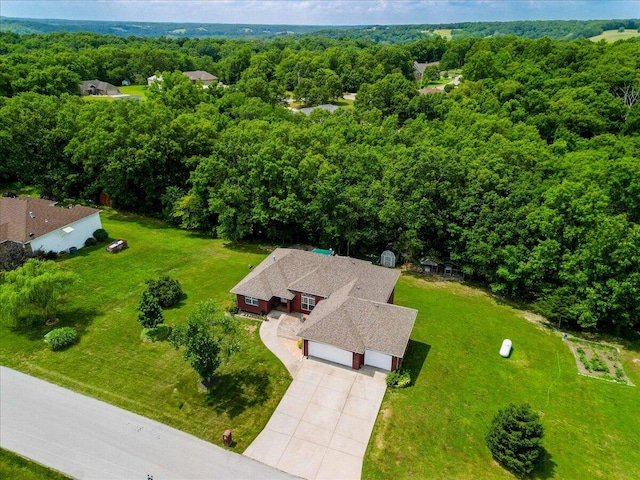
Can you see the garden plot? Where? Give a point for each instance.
(598, 360)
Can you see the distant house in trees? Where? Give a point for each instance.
(205, 77)
(419, 68)
(327, 107)
(39, 224)
(98, 87)
(198, 75)
(347, 303)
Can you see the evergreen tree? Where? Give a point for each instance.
(515, 439)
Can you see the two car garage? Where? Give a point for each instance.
(345, 357)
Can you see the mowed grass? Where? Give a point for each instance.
(113, 364)
(436, 428)
(615, 35)
(140, 90)
(15, 467)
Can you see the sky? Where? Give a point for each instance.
(321, 12)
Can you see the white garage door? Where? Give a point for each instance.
(377, 359)
(331, 353)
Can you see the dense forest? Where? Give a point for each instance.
(526, 174)
(556, 29)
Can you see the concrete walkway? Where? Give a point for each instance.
(89, 439)
(269, 336)
(322, 426)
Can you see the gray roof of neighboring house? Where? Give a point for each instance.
(421, 67)
(287, 270)
(328, 107)
(201, 75)
(357, 325)
(19, 217)
(100, 85)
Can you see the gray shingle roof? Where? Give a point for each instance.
(200, 75)
(354, 314)
(19, 217)
(300, 271)
(357, 325)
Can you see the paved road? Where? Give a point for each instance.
(89, 439)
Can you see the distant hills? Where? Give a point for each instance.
(557, 29)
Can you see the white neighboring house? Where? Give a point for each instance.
(39, 224)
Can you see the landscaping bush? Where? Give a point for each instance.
(166, 290)
(399, 379)
(150, 314)
(89, 242)
(100, 235)
(515, 439)
(60, 338)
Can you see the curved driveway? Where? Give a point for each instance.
(89, 439)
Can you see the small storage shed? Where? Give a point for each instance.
(388, 259)
(428, 265)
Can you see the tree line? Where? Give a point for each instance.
(526, 175)
(388, 34)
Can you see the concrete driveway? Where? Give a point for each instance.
(89, 439)
(321, 428)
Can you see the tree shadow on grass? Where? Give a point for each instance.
(233, 393)
(79, 318)
(415, 358)
(548, 468)
(257, 249)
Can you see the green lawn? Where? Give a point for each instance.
(112, 363)
(614, 35)
(435, 429)
(140, 90)
(15, 467)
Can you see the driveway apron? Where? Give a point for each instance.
(321, 428)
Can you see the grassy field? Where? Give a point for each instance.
(436, 428)
(139, 90)
(113, 364)
(444, 33)
(614, 35)
(15, 467)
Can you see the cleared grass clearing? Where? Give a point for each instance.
(436, 428)
(112, 363)
(140, 90)
(615, 35)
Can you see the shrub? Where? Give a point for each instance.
(166, 290)
(150, 313)
(100, 235)
(515, 439)
(300, 343)
(233, 309)
(60, 338)
(399, 379)
(89, 242)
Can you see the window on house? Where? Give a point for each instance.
(308, 302)
(252, 301)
